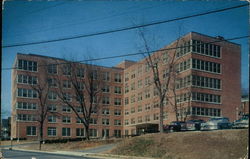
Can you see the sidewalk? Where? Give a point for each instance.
(85, 154)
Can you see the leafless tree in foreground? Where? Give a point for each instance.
(156, 64)
(86, 90)
(42, 89)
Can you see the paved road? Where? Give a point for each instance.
(99, 149)
(15, 154)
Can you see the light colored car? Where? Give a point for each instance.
(241, 123)
(216, 123)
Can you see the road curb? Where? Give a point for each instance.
(107, 156)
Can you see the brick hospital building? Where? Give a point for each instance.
(207, 84)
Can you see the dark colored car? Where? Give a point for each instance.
(175, 126)
(194, 124)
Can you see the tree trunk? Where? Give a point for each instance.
(41, 136)
(161, 117)
(87, 132)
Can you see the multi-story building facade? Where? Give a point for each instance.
(61, 121)
(205, 83)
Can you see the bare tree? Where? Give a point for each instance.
(41, 89)
(155, 64)
(86, 90)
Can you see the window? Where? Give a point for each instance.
(126, 77)
(147, 81)
(66, 109)
(93, 121)
(105, 132)
(52, 108)
(132, 120)
(80, 86)
(78, 120)
(106, 76)
(80, 72)
(79, 132)
(52, 69)
(147, 94)
(139, 119)
(117, 133)
(66, 84)
(126, 88)
(165, 57)
(208, 98)
(126, 122)
(31, 131)
(126, 101)
(51, 119)
(67, 97)
(147, 107)
(139, 97)
(25, 79)
(147, 118)
(208, 66)
(52, 96)
(156, 116)
(92, 132)
(126, 112)
(118, 77)
(79, 110)
(139, 71)
(117, 112)
(105, 100)
(140, 84)
(132, 86)
(26, 117)
(200, 111)
(27, 93)
(105, 112)
(65, 132)
(139, 108)
(105, 121)
(27, 65)
(67, 70)
(105, 89)
(51, 131)
(117, 101)
(132, 110)
(26, 106)
(147, 67)
(66, 119)
(93, 75)
(52, 82)
(118, 90)
(132, 98)
(117, 122)
(133, 74)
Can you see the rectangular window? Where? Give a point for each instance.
(80, 72)
(117, 133)
(66, 132)
(52, 108)
(25, 79)
(106, 76)
(105, 112)
(52, 95)
(66, 109)
(27, 65)
(51, 119)
(79, 121)
(118, 90)
(93, 132)
(67, 70)
(26, 93)
(93, 121)
(66, 84)
(51, 131)
(105, 121)
(118, 77)
(79, 132)
(139, 108)
(105, 89)
(117, 122)
(66, 119)
(26, 106)
(117, 112)
(52, 69)
(31, 131)
(105, 100)
(52, 82)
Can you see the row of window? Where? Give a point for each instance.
(199, 47)
(184, 65)
(198, 81)
(206, 66)
(27, 65)
(27, 93)
(214, 112)
(26, 106)
(26, 79)
(204, 97)
(67, 119)
(145, 118)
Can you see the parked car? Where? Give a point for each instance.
(216, 123)
(243, 122)
(194, 124)
(176, 126)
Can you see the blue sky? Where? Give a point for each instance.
(28, 21)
